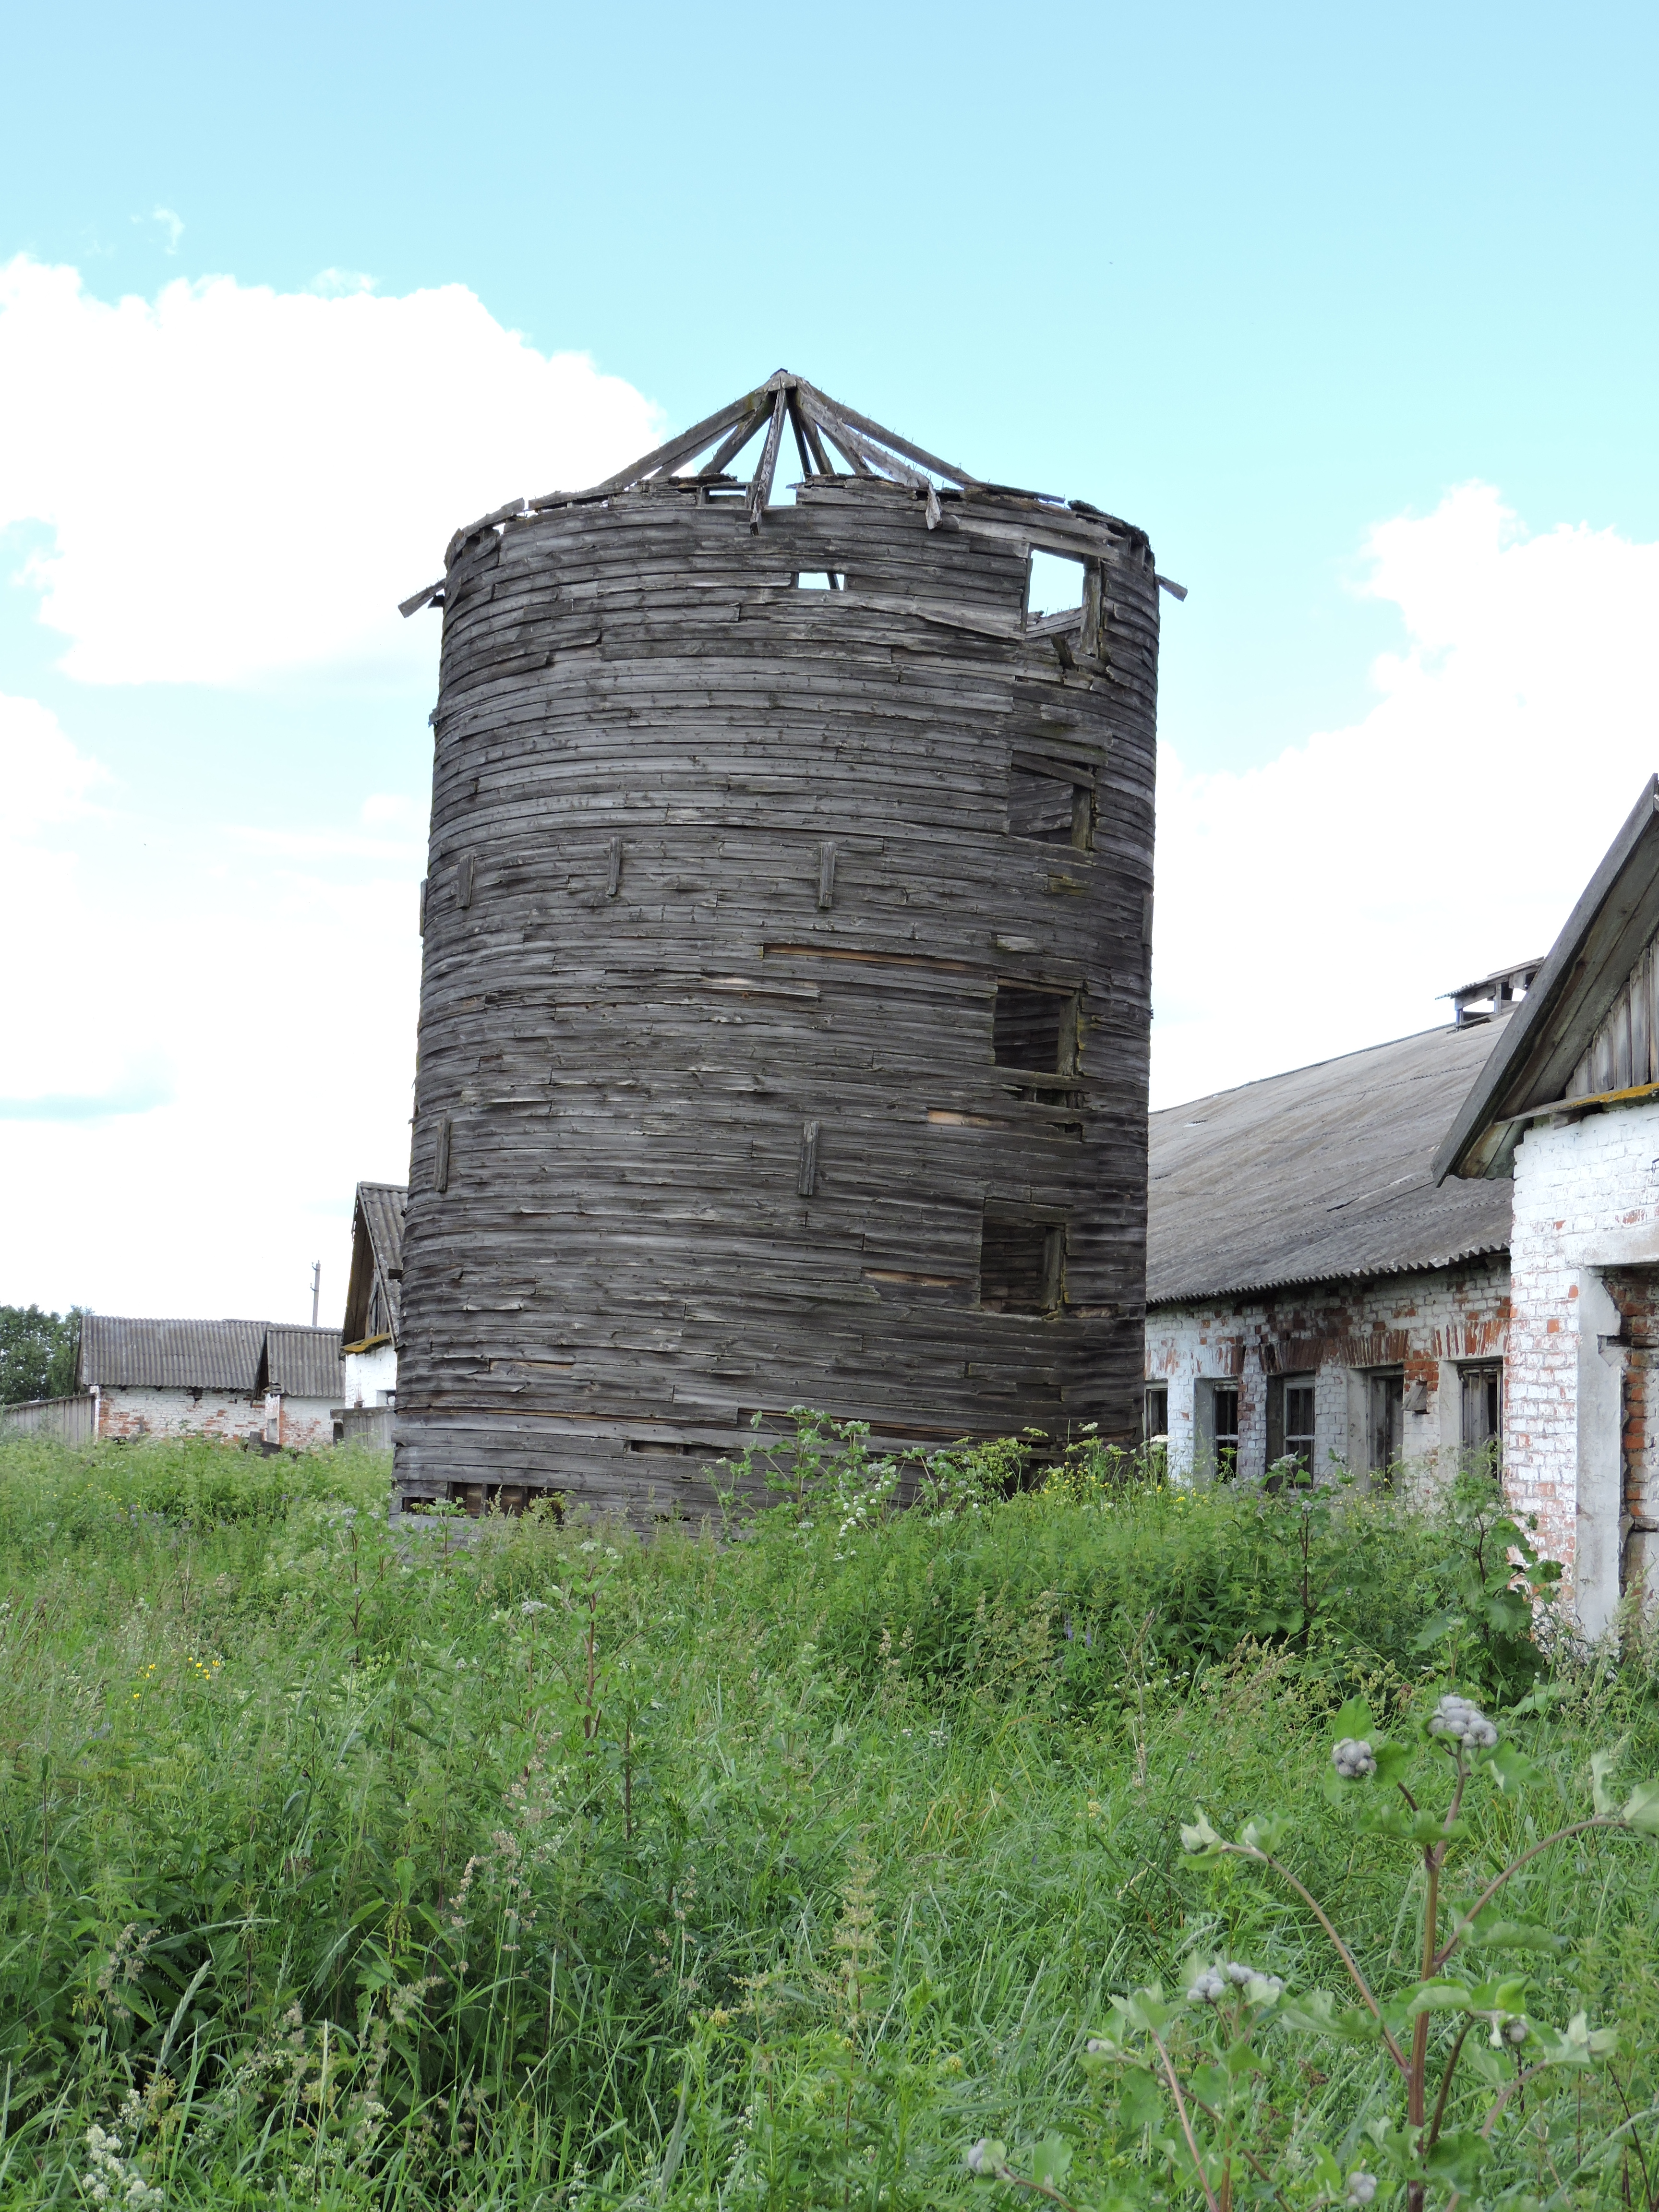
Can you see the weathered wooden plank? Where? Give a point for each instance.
(760, 489)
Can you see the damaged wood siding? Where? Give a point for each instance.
(1624, 1053)
(722, 885)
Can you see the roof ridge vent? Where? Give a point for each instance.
(1487, 997)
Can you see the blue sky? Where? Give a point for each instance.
(1253, 277)
(1264, 282)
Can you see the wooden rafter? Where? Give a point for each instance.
(760, 484)
(665, 459)
(819, 424)
(730, 448)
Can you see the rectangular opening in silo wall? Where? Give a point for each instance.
(1053, 585)
(1019, 1264)
(1031, 1029)
(1055, 809)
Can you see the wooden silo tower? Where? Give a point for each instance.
(784, 1009)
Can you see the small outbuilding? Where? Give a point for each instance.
(252, 1380)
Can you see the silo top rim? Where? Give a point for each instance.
(824, 431)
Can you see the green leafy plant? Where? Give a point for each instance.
(1454, 2087)
(521, 1861)
(1502, 1591)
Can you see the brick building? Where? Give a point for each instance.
(248, 1381)
(1566, 1111)
(1311, 1289)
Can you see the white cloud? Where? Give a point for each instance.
(394, 809)
(242, 482)
(1319, 903)
(338, 283)
(325, 844)
(205, 1063)
(42, 776)
(212, 1045)
(54, 1062)
(198, 1062)
(171, 224)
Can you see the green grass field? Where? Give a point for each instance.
(551, 1867)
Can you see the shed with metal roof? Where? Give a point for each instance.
(251, 1381)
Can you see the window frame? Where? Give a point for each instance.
(1489, 1374)
(1219, 1447)
(1279, 1435)
(1385, 1418)
(1161, 1391)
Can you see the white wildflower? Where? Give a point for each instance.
(530, 1607)
(1463, 1722)
(1353, 1757)
(114, 2181)
(982, 2157)
(1213, 1983)
(1362, 2187)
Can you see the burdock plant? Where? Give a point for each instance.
(1200, 2047)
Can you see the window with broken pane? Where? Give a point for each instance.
(1385, 1426)
(1482, 1392)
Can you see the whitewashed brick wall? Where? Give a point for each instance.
(1586, 1200)
(1428, 1322)
(131, 1410)
(370, 1376)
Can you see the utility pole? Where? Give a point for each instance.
(316, 1288)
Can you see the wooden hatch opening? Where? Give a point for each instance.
(1034, 1029)
(1021, 1262)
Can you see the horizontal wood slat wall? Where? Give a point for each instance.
(722, 888)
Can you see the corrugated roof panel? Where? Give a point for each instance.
(383, 1205)
(177, 1355)
(304, 1362)
(1321, 1175)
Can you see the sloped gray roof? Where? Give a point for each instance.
(1321, 1175)
(377, 1256)
(243, 1356)
(176, 1355)
(303, 1363)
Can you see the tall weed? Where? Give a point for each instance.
(528, 1863)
